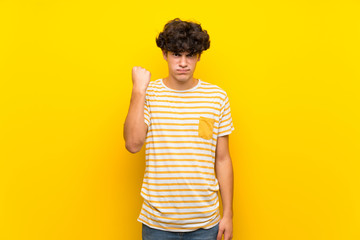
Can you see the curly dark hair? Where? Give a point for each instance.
(183, 36)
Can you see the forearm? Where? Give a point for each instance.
(225, 176)
(134, 134)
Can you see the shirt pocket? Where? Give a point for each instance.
(206, 127)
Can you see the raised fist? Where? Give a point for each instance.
(140, 78)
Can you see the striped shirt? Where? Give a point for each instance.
(179, 186)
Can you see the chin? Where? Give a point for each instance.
(183, 79)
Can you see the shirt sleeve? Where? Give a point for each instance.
(146, 112)
(225, 120)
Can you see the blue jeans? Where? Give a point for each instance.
(199, 234)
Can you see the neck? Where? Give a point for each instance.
(180, 85)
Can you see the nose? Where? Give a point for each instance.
(183, 62)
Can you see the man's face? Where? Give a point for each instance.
(181, 65)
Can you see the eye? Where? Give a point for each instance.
(176, 54)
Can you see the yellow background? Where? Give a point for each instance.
(291, 70)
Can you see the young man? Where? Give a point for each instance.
(185, 123)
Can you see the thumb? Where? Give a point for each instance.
(220, 233)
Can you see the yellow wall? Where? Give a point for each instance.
(290, 68)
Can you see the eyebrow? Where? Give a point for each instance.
(186, 54)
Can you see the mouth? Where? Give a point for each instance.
(182, 70)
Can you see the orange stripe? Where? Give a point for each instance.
(170, 96)
(167, 112)
(225, 126)
(229, 129)
(191, 166)
(189, 207)
(158, 85)
(172, 129)
(181, 119)
(228, 125)
(186, 184)
(200, 92)
(226, 109)
(180, 213)
(210, 224)
(225, 116)
(207, 143)
(198, 148)
(148, 136)
(169, 196)
(185, 107)
(177, 124)
(178, 160)
(171, 190)
(186, 223)
(173, 154)
(157, 82)
(190, 102)
(185, 201)
(224, 131)
(167, 172)
(185, 178)
(188, 218)
(202, 85)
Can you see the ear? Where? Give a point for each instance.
(199, 57)
(164, 53)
